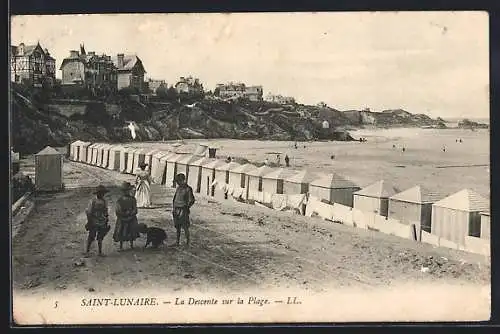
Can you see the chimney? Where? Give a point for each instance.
(73, 54)
(120, 60)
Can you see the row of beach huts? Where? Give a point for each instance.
(459, 221)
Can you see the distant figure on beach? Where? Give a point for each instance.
(444, 148)
(295, 145)
(460, 140)
(278, 159)
(126, 217)
(287, 160)
(332, 156)
(403, 149)
(266, 162)
(228, 159)
(393, 146)
(304, 146)
(181, 206)
(143, 187)
(97, 219)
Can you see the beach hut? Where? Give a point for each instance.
(131, 160)
(238, 177)
(458, 216)
(194, 180)
(171, 169)
(96, 150)
(375, 198)
(49, 170)
(83, 151)
(183, 164)
(104, 156)
(414, 205)
(334, 188)
(208, 176)
(485, 225)
(139, 157)
(124, 158)
(222, 178)
(299, 183)
(114, 157)
(255, 178)
(90, 153)
(274, 181)
(148, 157)
(201, 150)
(100, 154)
(74, 150)
(158, 165)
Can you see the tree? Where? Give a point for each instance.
(162, 92)
(172, 94)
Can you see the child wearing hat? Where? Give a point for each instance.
(182, 203)
(97, 219)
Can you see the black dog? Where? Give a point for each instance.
(155, 235)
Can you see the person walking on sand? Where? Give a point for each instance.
(126, 217)
(287, 161)
(182, 203)
(97, 219)
(143, 187)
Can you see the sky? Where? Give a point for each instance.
(435, 63)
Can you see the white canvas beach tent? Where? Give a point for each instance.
(139, 156)
(49, 170)
(158, 166)
(114, 157)
(255, 182)
(335, 188)
(105, 155)
(90, 153)
(195, 167)
(172, 169)
(222, 177)
(273, 182)
(95, 153)
(100, 154)
(131, 160)
(148, 156)
(83, 151)
(238, 177)
(124, 158)
(74, 150)
(184, 163)
(208, 176)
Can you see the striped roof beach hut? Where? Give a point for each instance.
(485, 225)
(74, 150)
(222, 178)
(105, 155)
(239, 178)
(131, 160)
(208, 176)
(124, 158)
(100, 154)
(148, 157)
(183, 164)
(95, 153)
(83, 151)
(414, 205)
(375, 198)
(299, 183)
(194, 180)
(334, 188)
(458, 216)
(171, 169)
(158, 166)
(139, 157)
(273, 182)
(114, 157)
(49, 170)
(90, 153)
(255, 178)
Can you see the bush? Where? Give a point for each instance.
(21, 184)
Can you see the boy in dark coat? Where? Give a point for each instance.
(182, 203)
(97, 219)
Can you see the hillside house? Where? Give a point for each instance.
(280, 99)
(189, 85)
(89, 70)
(233, 90)
(32, 63)
(130, 71)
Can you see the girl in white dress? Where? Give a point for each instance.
(143, 187)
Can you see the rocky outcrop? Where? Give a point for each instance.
(58, 122)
